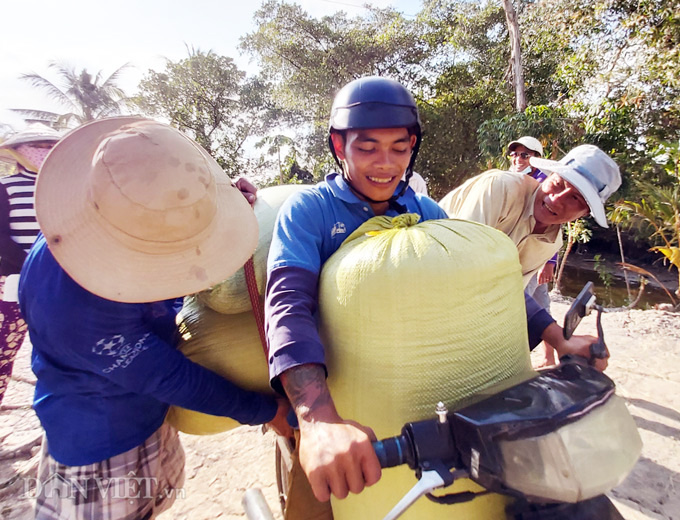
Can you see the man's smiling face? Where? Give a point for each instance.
(375, 159)
(558, 202)
(519, 158)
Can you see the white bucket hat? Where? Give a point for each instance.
(34, 134)
(591, 171)
(135, 211)
(531, 143)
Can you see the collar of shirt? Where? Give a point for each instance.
(26, 173)
(537, 174)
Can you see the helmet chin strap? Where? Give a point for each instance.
(407, 178)
(400, 208)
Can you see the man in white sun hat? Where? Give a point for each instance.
(589, 170)
(519, 154)
(134, 215)
(531, 213)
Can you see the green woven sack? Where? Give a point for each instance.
(228, 344)
(231, 295)
(412, 314)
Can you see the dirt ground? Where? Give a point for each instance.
(645, 364)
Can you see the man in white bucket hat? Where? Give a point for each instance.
(594, 176)
(134, 215)
(589, 170)
(531, 213)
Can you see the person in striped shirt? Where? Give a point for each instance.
(18, 230)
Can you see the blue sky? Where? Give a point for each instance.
(88, 34)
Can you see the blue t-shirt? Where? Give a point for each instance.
(538, 175)
(107, 371)
(310, 227)
(313, 223)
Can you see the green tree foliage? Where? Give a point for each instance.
(554, 127)
(598, 71)
(472, 91)
(608, 73)
(86, 97)
(308, 60)
(658, 210)
(471, 112)
(575, 232)
(284, 151)
(210, 99)
(620, 72)
(573, 56)
(466, 86)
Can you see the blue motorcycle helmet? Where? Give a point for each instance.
(376, 102)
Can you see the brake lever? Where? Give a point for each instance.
(438, 476)
(599, 350)
(582, 306)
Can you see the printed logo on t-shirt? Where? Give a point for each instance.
(109, 346)
(117, 346)
(338, 228)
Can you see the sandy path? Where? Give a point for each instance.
(645, 363)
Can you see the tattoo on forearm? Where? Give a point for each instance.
(306, 388)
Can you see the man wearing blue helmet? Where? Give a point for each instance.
(374, 137)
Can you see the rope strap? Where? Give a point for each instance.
(256, 303)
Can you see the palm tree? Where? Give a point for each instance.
(86, 97)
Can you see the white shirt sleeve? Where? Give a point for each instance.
(417, 183)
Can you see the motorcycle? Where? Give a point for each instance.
(556, 443)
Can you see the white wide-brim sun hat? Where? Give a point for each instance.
(591, 171)
(34, 134)
(135, 211)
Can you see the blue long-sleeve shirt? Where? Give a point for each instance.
(107, 371)
(537, 320)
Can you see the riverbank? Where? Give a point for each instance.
(645, 364)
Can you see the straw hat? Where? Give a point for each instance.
(135, 211)
(591, 171)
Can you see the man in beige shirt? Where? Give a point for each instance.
(531, 213)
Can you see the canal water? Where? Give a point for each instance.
(614, 292)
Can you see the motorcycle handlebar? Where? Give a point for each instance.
(393, 451)
(419, 442)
